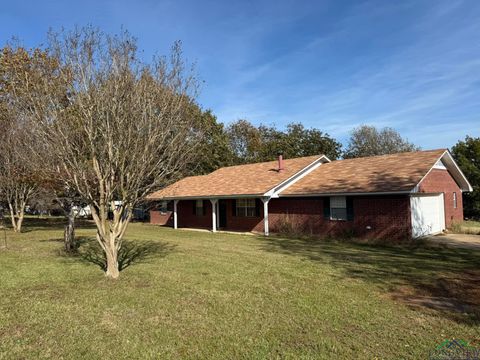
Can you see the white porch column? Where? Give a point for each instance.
(214, 214)
(175, 213)
(265, 216)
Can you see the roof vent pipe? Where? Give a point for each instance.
(280, 162)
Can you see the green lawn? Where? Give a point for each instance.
(468, 227)
(190, 294)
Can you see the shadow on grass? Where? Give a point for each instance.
(53, 223)
(446, 280)
(79, 241)
(131, 252)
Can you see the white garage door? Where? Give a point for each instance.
(428, 214)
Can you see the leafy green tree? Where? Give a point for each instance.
(367, 140)
(245, 142)
(214, 150)
(298, 141)
(467, 155)
(252, 144)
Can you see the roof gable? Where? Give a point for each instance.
(241, 180)
(377, 174)
(446, 162)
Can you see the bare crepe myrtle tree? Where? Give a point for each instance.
(124, 129)
(18, 183)
(22, 75)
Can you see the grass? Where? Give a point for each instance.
(467, 227)
(187, 294)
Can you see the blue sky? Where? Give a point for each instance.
(412, 65)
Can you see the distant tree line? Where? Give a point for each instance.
(241, 142)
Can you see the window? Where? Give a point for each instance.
(199, 208)
(163, 207)
(245, 207)
(338, 208)
(454, 200)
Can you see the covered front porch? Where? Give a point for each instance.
(245, 214)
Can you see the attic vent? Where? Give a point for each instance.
(281, 166)
(440, 165)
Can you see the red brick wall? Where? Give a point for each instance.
(187, 218)
(241, 223)
(302, 214)
(440, 181)
(159, 218)
(386, 217)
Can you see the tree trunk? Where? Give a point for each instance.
(69, 234)
(110, 234)
(20, 222)
(16, 217)
(14, 222)
(112, 262)
(12, 217)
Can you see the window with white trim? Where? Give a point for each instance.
(338, 208)
(199, 207)
(245, 207)
(454, 200)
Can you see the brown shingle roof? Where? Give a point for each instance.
(250, 179)
(387, 173)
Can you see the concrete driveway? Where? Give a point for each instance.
(467, 241)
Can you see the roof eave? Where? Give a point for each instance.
(206, 197)
(358, 193)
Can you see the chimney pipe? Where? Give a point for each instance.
(280, 162)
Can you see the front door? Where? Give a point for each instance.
(222, 208)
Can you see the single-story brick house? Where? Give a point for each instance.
(391, 196)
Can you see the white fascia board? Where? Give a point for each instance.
(348, 194)
(449, 159)
(207, 197)
(454, 169)
(275, 192)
